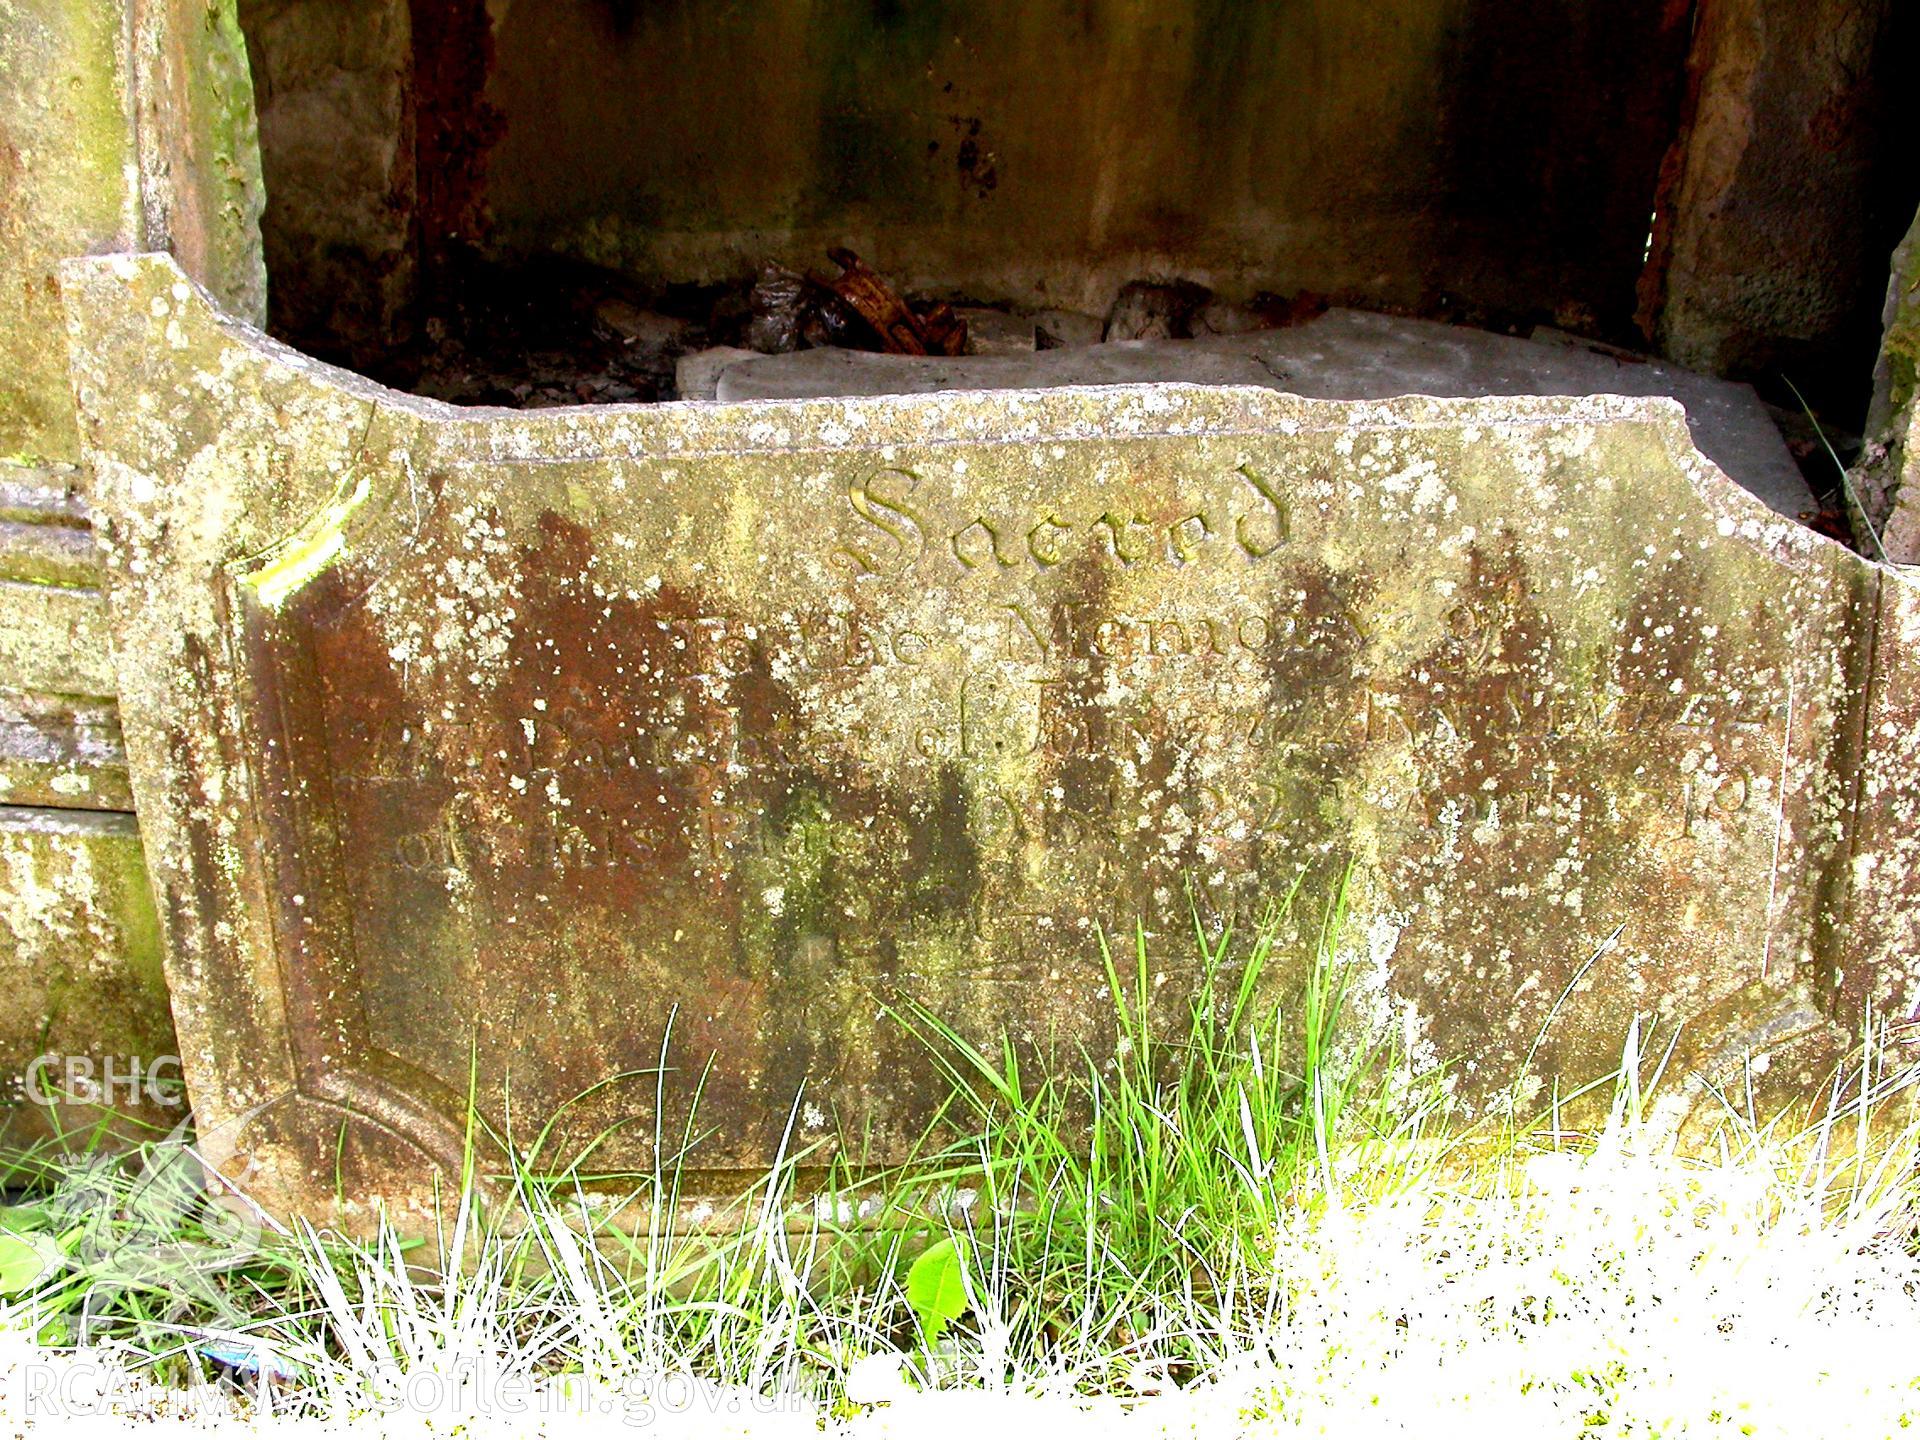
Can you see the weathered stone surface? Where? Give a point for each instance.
(54, 639)
(46, 537)
(995, 332)
(80, 959)
(58, 555)
(696, 375)
(520, 737)
(1887, 480)
(68, 185)
(121, 127)
(63, 752)
(1342, 355)
(79, 948)
(59, 735)
(200, 180)
(337, 141)
(1881, 922)
(42, 495)
(1052, 156)
(1058, 329)
(1790, 180)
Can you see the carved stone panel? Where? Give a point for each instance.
(623, 752)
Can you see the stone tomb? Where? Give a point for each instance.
(509, 740)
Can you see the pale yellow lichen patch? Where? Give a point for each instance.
(296, 560)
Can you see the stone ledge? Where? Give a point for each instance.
(42, 554)
(42, 495)
(54, 639)
(63, 753)
(1343, 355)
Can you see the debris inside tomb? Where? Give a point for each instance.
(901, 331)
(555, 332)
(544, 334)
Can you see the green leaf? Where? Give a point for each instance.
(937, 1287)
(21, 1264)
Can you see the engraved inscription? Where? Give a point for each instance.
(894, 525)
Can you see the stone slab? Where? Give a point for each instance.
(54, 639)
(337, 118)
(696, 375)
(558, 742)
(46, 534)
(1342, 355)
(62, 752)
(53, 633)
(1770, 218)
(57, 555)
(122, 125)
(80, 957)
(42, 495)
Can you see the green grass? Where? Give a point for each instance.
(1253, 1202)
(1114, 1199)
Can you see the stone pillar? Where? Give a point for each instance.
(1770, 232)
(334, 85)
(124, 125)
(1887, 480)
